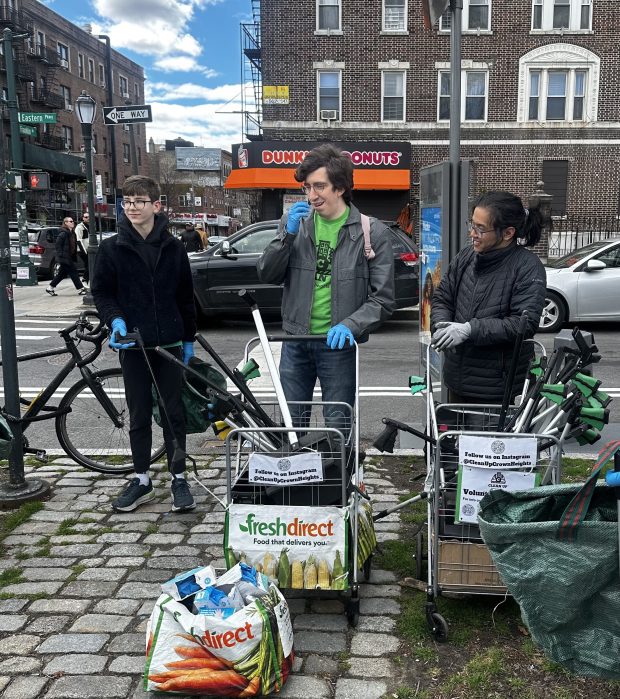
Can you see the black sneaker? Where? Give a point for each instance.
(82, 291)
(182, 499)
(50, 291)
(134, 495)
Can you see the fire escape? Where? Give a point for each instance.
(45, 93)
(251, 77)
(13, 19)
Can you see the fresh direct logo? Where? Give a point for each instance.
(279, 528)
(228, 639)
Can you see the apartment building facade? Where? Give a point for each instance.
(540, 85)
(54, 62)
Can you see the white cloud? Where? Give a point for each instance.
(182, 64)
(165, 92)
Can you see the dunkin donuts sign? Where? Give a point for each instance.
(284, 154)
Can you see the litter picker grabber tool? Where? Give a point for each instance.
(510, 380)
(386, 440)
(273, 369)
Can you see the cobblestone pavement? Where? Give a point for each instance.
(74, 624)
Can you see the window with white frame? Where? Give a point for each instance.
(328, 15)
(91, 70)
(474, 91)
(561, 15)
(63, 54)
(393, 95)
(476, 16)
(81, 65)
(126, 153)
(558, 82)
(394, 15)
(329, 82)
(101, 76)
(66, 95)
(67, 137)
(123, 86)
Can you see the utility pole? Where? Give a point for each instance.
(18, 489)
(111, 132)
(26, 271)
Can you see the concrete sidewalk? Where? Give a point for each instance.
(74, 626)
(33, 301)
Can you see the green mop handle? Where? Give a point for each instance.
(617, 489)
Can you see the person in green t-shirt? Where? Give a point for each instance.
(330, 287)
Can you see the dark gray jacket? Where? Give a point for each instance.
(362, 290)
(66, 246)
(489, 291)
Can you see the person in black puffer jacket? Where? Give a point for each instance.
(477, 306)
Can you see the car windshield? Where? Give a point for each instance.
(575, 256)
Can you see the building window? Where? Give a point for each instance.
(105, 146)
(394, 15)
(329, 94)
(40, 41)
(393, 95)
(474, 89)
(81, 65)
(101, 76)
(558, 82)
(555, 177)
(122, 86)
(476, 17)
(561, 15)
(66, 95)
(91, 71)
(67, 137)
(63, 54)
(328, 15)
(126, 153)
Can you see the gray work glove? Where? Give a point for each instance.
(448, 335)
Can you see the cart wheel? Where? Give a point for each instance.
(439, 627)
(367, 568)
(419, 554)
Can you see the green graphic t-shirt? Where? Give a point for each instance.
(326, 236)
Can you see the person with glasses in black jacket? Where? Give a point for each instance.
(143, 280)
(66, 256)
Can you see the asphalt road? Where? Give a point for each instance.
(386, 362)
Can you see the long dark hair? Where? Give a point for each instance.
(507, 211)
(338, 166)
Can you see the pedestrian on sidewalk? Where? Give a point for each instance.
(477, 306)
(143, 280)
(332, 286)
(66, 256)
(191, 239)
(81, 233)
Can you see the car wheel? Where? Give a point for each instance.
(554, 313)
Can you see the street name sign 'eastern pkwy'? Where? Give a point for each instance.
(36, 117)
(129, 114)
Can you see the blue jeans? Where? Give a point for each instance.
(301, 363)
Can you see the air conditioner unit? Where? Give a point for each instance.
(64, 64)
(32, 50)
(126, 160)
(68, 145)
(125, 95)
(102, 83)
(69, 107)
(329, 114)
(125, 127)
(107, 190)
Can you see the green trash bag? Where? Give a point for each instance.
(556, 549)
(6, 438)
(195, 396)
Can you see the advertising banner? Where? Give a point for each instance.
(198, 158)
(285, 470)
(300, 547)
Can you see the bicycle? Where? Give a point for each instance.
(92, 412)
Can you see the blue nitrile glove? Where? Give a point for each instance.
(210, 413)
(338, 335)
(188, 351)
(449, 335)
(118, 330)
(299, 210)
(612, 478)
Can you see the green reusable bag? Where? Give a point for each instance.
(556, 550)
(6, 438)
(195, 396)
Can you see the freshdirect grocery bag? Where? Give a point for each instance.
(247, 654)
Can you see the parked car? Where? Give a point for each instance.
(583, 285)
(230, 265)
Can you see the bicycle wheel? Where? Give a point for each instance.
(88, 434)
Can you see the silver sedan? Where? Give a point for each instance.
(583, 285)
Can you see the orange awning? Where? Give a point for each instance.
(282, 178)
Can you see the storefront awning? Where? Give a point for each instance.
(264, 178)
(53, 161)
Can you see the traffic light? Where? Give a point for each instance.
(39, 180)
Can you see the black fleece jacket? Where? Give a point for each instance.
(489, 291)
(148, 283)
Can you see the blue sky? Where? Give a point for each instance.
(191, 57)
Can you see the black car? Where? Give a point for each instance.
(222, 270)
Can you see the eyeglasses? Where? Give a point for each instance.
(318, 187)
(478, 230)
(138, 204)
(69, 220)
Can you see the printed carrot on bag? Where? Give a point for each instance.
(224, 682)
(199, 664)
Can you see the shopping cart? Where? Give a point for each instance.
(469, 457)
(296, 506)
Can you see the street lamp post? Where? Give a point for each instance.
(86, 109)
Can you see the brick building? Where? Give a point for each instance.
(540, 91)
(54, 62)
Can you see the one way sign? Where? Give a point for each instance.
(129, 114)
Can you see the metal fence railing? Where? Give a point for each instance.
(574, 232)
